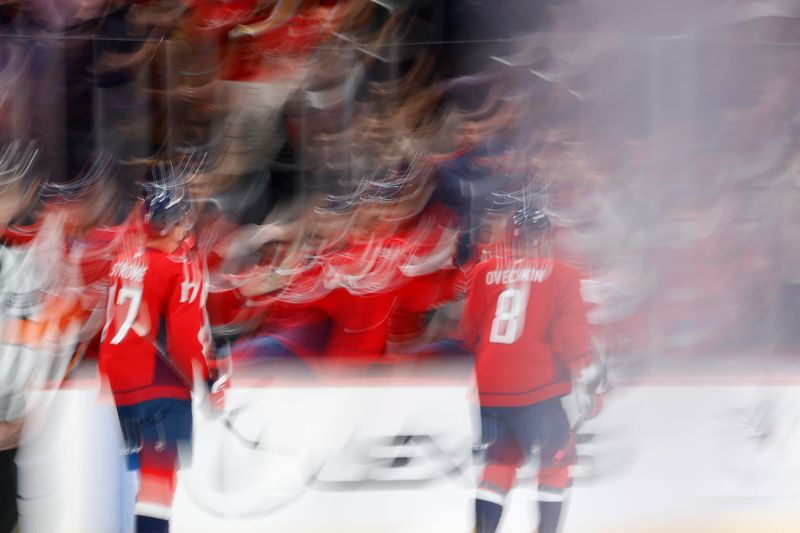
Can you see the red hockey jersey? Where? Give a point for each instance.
(527, 329)
(156, 333)
(362, 320)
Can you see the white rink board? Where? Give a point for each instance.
(662, 455)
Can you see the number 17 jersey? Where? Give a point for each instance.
(156, 334)
(526, 325)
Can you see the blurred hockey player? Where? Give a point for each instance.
(23, 280)
(373, 285)
(88, 213)
(526, 325)
(155, 342)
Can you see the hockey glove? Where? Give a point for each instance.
(588, 388)
(218, 381)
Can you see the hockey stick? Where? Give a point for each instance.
(603, 388)
(572, 439)
(227, 420)
(257, 444)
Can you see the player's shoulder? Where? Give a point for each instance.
(162, 270)
(478, 272)
(169, 261)
(486, 265)
(564, 272)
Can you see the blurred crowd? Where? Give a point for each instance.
(346, 152)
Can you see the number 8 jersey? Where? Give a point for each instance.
(156, 334)
(526, 325)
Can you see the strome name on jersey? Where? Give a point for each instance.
(129, 271)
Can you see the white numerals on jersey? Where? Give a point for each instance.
(134, 295)
(190, 286)
(189, 290)
(509, 317)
